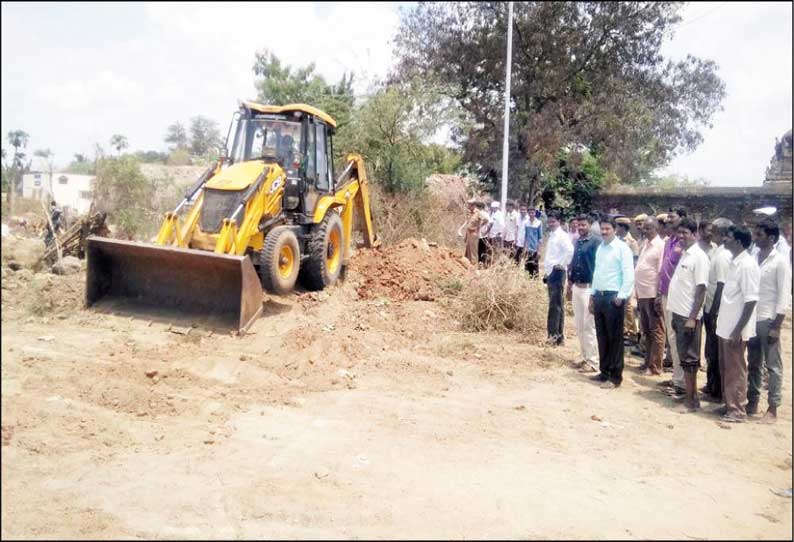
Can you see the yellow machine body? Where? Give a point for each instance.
(215, 251)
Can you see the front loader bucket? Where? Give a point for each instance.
(191, 282)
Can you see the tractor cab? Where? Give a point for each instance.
(297, 137)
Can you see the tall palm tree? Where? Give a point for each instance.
(19, 140)
(119, 142)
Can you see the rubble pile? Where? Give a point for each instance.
(410, 270)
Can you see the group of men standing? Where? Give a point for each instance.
(517, 233)
(682, 278)
(686, 277)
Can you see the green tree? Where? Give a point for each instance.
(6, 168)
(19, 140)
(124, 192)
(571, 185)
(205, 136)
(390, 130)
(151, 157)
(280, 84)
(585, 75)
(80, 165)
(119, 142)
(176, 135)
(672, 181)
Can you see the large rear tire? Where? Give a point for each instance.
(280, 260)
(326, 251)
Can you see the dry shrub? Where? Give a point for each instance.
(417, 215)
(503, 298)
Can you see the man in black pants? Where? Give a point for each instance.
(613, 282)
(719, 263)
(559, 252)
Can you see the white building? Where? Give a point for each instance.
(73, 193)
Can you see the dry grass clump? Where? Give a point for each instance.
(416, 215)
(503, 298)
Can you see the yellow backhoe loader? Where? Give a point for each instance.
(267, 214)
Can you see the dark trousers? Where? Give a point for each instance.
(712, 353)
(556, 318)
(482, 251)
(518, 254)
(532, 263)
(688, 343)
(609, 331)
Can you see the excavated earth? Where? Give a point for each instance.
(359, 412)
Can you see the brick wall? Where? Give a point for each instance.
(736, 204)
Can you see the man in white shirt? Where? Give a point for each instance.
(511, 228)
(685, 300)
(783, 248)
(521, 234)
(559, 252)
(719, 263)
(774, 298)
(595, 225)
(495, 230)
(736, 322)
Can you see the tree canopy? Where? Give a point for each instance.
(176, 135)
(205, 136)
(586, 76)
(281, 84)
(119, 142)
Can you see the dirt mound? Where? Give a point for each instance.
(25, 251)
(412, 269)
(42, 294)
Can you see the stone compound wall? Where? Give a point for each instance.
(736, 204)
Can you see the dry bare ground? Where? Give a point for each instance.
(348, 417)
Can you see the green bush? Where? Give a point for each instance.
(135, 203)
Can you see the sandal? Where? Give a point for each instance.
(731, 419)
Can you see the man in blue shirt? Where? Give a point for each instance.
(533, 238)
(613, 282)
(580, 277)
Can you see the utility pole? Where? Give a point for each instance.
(507, 103)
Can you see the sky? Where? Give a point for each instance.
(74, 74)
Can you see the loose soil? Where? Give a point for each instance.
(358, 412)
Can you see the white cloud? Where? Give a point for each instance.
(104, 89)
(751, 43)
(349, 37)
(174, 61)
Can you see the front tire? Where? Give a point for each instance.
(326, 251)
(280, 260)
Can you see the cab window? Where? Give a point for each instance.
(311, 149)
(322, 158)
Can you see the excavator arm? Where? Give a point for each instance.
(351, 192)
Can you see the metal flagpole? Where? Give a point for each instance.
(507, 103)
